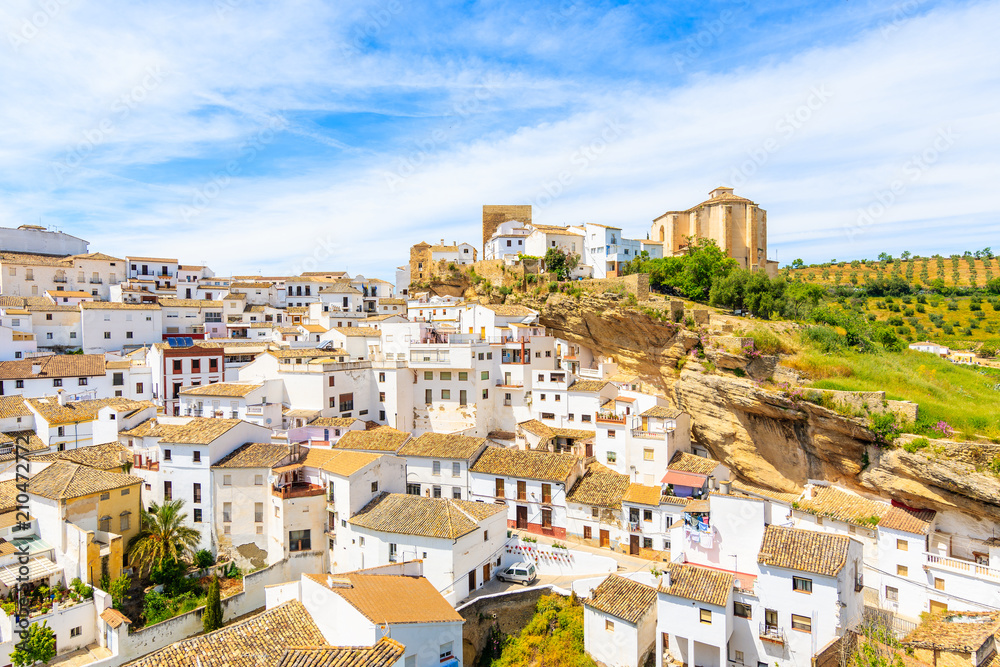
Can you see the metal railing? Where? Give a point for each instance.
(772, 633)
(967, 566)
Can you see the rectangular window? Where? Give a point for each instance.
(445, 394)
(499, 487)
(428, 396)
(585, 418)
(346, 402)
(463, 376)
(456, 469)
(705, 615)
(486, 393)
(485, 375)
(742, 609)
(118, 379)
(463, 397)
(258, 480)
(546, 493)
(196, 492)
(331, 382)
(436, 468)
(445, 652)
(587, 533)
(546, 518)
(413, 489)
(892, 594)
(227, 480)
(611, 434)
(902, 545)
(609, 625)
(428, 375)
(105, 496)
(902, 571)
(612, 457)
(446, 375)
(647, 454)
(168, 491)
(76, 632)
(374, 487)
(196, 456)
(436, 491)
(801, 623)
(177, 365)
(456, 492)
(258, 512)
(166, 455)
(522, 490)
(938, 584)
(802, 585)
(647, 515)
(299, 540)
(227, 512)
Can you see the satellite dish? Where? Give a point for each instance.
(268, 421)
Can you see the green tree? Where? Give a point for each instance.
(555, 262)
(118, 590)
(798, 264)
(704, 263)
(212, 618)
(38, 644)
(163, 539)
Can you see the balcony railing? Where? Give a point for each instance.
(964, 566)
(297, 490)
(255, 410)
(96, 281)
(648, 435)
(772, 633)
(610, 417)
(57, 279)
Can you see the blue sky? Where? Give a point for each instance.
(281, 137)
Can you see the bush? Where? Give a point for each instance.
(953, 305)
(553, 286)
(766, 341)
(884, 427)
(203, 559)
(916, 444)
(824, 337)
(908, 312)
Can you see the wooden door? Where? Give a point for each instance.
(586, 533)
(605, 538)
(472, 580)
(633, 545)
(938, 607)
(522, 517)
(589, 449)
(487, 571)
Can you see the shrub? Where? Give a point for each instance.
(884, 427)
(921, 308)
(203, 559)
(767, 342)
(916, 444)
(824, 337)
(908, 312)
(553, 286)
(212, 618)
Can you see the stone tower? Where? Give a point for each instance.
(496, 214)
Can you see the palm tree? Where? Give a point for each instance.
(164, 538)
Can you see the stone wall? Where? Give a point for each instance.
(495, 215)
(637, 284)
(508, 613)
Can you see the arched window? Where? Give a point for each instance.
(125, 521)
(105, 524)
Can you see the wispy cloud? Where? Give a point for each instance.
(247, 134)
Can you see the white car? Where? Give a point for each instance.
(518, 573)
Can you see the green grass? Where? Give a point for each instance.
(964, 396)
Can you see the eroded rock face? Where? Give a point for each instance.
(767, 438)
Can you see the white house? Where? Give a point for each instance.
(619, 622)
(459, 542)
(933, 348)
(362, 609)
(437, 464)
(507, 241)
(110, 326)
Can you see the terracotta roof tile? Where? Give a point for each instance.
(851, 508)
(65, 480)
(700, 584)
(54, 366)
(259, 641)
(662, 412)
(588, 385)
(229, 389)
(254, 455)
(114, 305)
(195, 431)
(332, 422)
(109, 456)
(642, 494)
(751, 489)
(383, 598)
(114, 618)
(356, 332)
(385, 653)
(804, 550)
(190, 303)
(509, 309)
(343, 463)
(12, 407)
(622, 598)
(381, 439)
(685, 462)
(75, 412)
(600, 486)
(428, 517)
(956, 632)
(443, 445)
(546, 466)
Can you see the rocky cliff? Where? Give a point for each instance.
(764, 436)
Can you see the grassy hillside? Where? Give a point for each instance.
(963, 396)
(553, 638)
(954, 271)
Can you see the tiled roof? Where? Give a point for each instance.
(108, 456)
(190, 303)
(356, 332)
(851, 508)
(120, 364)
(588, 385)
(751, 489)
(642, 494)
(54, 366)
(8, 495)
(230, 389)
(804, 550)
(63, 480)
(622, 598)
(443, 445)
(12, 407)
(305, 353)
(384, 598)
(114, 618)
(542, 430)
(600, 486)
(955, 632)
(196, 431)
(254, 455)
(168, 260)
(114, 305)
(509, 310)
(338, 462)
(259, 641)
(700, 584)
(685, 462)
(35, 260)
(428, 517)
(75, 412)
(97, 256)
(662, 412)
(381, 439)
(34, 443)
(385, 653)
(332, 422)
(545, 466)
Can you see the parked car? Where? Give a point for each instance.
(519, 573)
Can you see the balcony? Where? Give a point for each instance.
(610, 417)
(60, 279)
(96, 281)
(145, 464)
(772, 633)
(634, 527)
(649, 435)
(297, 490)
(963, 566)
(257, 410)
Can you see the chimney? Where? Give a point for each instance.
(36, 369)
(665, 582)
(61, 396)
(442, 241)
(726, 486)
